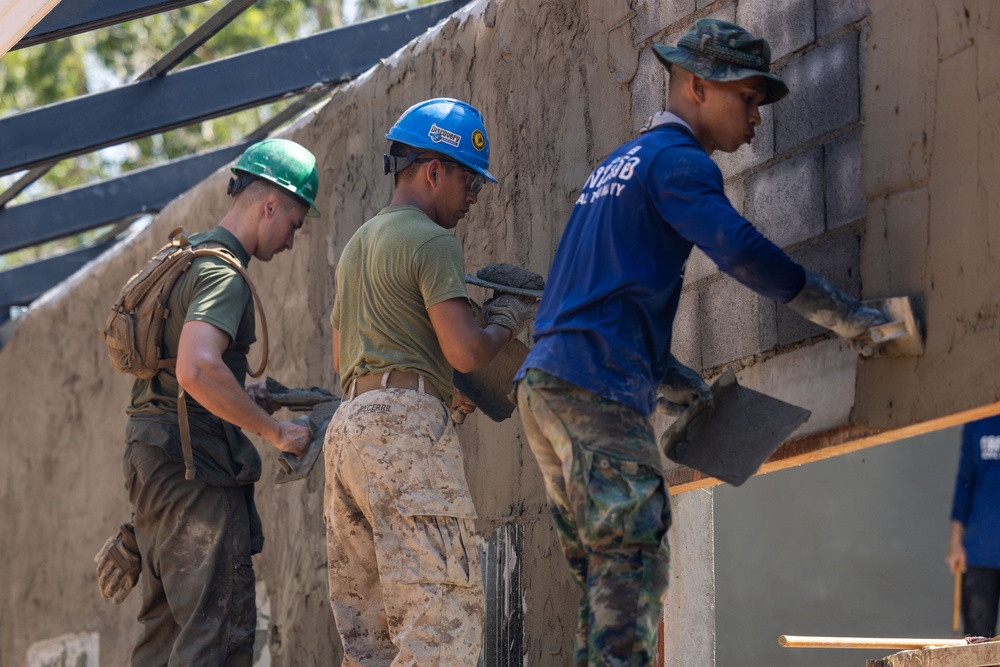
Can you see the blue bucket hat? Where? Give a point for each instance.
(721, 51)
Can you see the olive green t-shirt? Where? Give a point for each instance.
(395, 267)
(209, 291)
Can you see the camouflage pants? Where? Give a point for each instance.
(611, 510)
(405, 581)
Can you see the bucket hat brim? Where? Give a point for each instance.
(712, 69)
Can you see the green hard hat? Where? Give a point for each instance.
(285, 163)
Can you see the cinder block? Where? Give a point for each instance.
(698, 267)
(825, 94)
(833, 15)
(788, 25)
(899, 97)
(758, 152)
(652, 16)
(896, 244)
(838, 260)
(734, 322)
(785, 202)
(988, 45)
(845, 200)
(649, 88)
(686, 343)
(955, 28)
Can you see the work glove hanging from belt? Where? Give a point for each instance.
(680, 389)
(823, 303)
(118, 564)
(510, 311)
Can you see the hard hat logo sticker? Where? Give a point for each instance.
(439, 134)
(478, 140)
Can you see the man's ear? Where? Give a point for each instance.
(698, 88)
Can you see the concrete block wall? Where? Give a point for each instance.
(798, 182)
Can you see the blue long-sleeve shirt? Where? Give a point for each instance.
(976, 503)
(605, 321)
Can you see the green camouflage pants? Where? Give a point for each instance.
(405, 581)
(611, 510)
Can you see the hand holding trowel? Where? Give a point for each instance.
(489, 387)
(726, 431)
(321, 404)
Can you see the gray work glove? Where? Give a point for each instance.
(823, 303)
(118, 564)
(680, 389)
(510, 311)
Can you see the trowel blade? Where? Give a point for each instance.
(490, 387)
(291, 467)
(731, 439)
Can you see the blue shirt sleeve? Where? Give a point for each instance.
(686, 189)
(965, 480)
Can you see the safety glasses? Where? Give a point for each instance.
(474, 181)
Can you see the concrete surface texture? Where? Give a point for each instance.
(878, 170)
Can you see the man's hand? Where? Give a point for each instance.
(510, 311)
(680, 389)
(823, 303)
(461, 406)
(118, 564)
(293, 437)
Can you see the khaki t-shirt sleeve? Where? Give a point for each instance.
(218, 296)
(440, 270)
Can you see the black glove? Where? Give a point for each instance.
(118, 564)
(510, 311)
(823, 303)
(680, 389)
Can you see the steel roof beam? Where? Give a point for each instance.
(92, 206)
(72, 17)
(207, 91)
(23, 284)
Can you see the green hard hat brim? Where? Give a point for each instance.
(715, 70)
(313, 212)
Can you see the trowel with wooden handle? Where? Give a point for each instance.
(730, 439)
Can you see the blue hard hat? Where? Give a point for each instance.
(450, 127)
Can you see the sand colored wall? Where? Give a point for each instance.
(835, 175)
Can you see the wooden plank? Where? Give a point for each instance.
(18, 17)
(825, 445)
(974, 655)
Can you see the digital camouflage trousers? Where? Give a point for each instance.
(405, 580)
(611, 510)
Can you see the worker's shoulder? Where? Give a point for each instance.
(405, 225)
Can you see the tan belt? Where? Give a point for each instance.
(393, 380)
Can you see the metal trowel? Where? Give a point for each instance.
(490, 387)
(321, 404)
(732, 438)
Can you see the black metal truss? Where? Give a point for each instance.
(22, 285)
(188, 45)
(71, 17)
(92, 206)
(207, 91)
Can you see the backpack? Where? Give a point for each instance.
(134, 329)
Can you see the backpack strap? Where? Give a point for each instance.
(182, 414)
